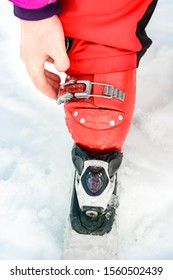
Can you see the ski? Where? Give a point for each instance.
(94, 206)
(90, 247)
(77, 246)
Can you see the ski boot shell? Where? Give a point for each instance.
(99, 109)
(94, 199)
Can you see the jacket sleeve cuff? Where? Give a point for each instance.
(37, 14)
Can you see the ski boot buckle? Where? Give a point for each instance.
(74, 89)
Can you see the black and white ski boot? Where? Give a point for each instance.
(94, 198)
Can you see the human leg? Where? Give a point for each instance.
(99, 121)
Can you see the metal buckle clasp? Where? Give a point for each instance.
(67, 96)
(87, 92)
(109, 91)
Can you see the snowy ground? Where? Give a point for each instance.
(35, 164)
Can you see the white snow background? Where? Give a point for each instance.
(35, 163)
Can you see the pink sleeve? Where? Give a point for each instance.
(32, 4)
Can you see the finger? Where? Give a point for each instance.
(62, 62)
(53, 84)
(52, 76)
(40, 81)
(49, 59)
(57, 51)
(53, 80)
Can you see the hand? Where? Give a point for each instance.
(42, 41)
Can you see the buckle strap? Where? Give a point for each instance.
(75, 89)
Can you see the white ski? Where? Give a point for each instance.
(91, 247)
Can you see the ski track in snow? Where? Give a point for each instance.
(36, 170)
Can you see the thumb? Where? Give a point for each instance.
(61, 61)
(57, 48)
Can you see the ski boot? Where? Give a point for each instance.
(93, 204)
(98, 113)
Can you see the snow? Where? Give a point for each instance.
(35, 165)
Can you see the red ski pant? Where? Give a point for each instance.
(109, 39)
(108, 36)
